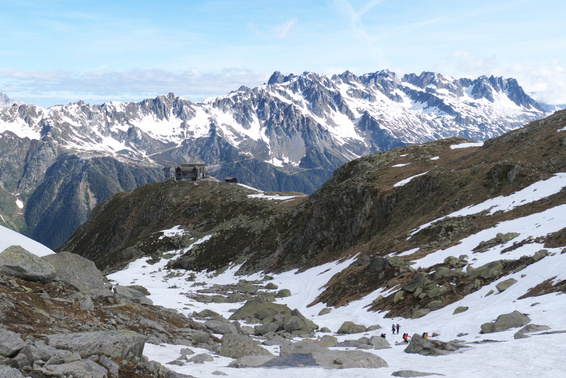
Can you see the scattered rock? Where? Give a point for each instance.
(504, 285)
(460, 309)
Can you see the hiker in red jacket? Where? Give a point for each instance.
(406, 337)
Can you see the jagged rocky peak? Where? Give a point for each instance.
(347, 77)
(427, 78)
(4, 100)
(484, 87)
(278, 78)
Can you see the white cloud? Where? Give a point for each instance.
(544, 81)
(282, 30)
(51, 88)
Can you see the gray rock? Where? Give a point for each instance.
(301, 347)
(15, 261)
(283, 293)
(236, 346)
(351, 327)
(112, 367)
(128, 294)
(123, 344)
(292, 360)
(77, 272)
(505, 321)
(251, 361)
(338, 359)
(460, 309)
(220, 327)
(158, 370)
(379, 342)
(63, 357)
(201, 358)
(86, 303)
(418, 281)
(266, 328)
(76, 369)
(530, 328)
(10, 372)
(428, 347)
(504, 285)
(412, 373)
(10, 343)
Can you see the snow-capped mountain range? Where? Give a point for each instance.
(345, 116)
(287, 135)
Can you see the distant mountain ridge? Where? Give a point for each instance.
(287, 135)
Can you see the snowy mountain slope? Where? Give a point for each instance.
(9, 237)
(543, 350)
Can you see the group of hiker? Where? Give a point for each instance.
(406, 337)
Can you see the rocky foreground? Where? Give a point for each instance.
(62, 318)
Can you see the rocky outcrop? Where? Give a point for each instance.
(274, 318)
(119, 344)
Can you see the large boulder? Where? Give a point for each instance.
(506, 321)
(17, 262)
(124, 344)
(350, 327)
(78, 272)
(428, 347)
(347, 359)
(237, 346)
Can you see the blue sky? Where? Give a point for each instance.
(61, 51)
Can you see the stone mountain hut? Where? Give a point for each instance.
(193, 171)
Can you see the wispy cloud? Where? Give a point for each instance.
(282, 30)
(51, 88)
